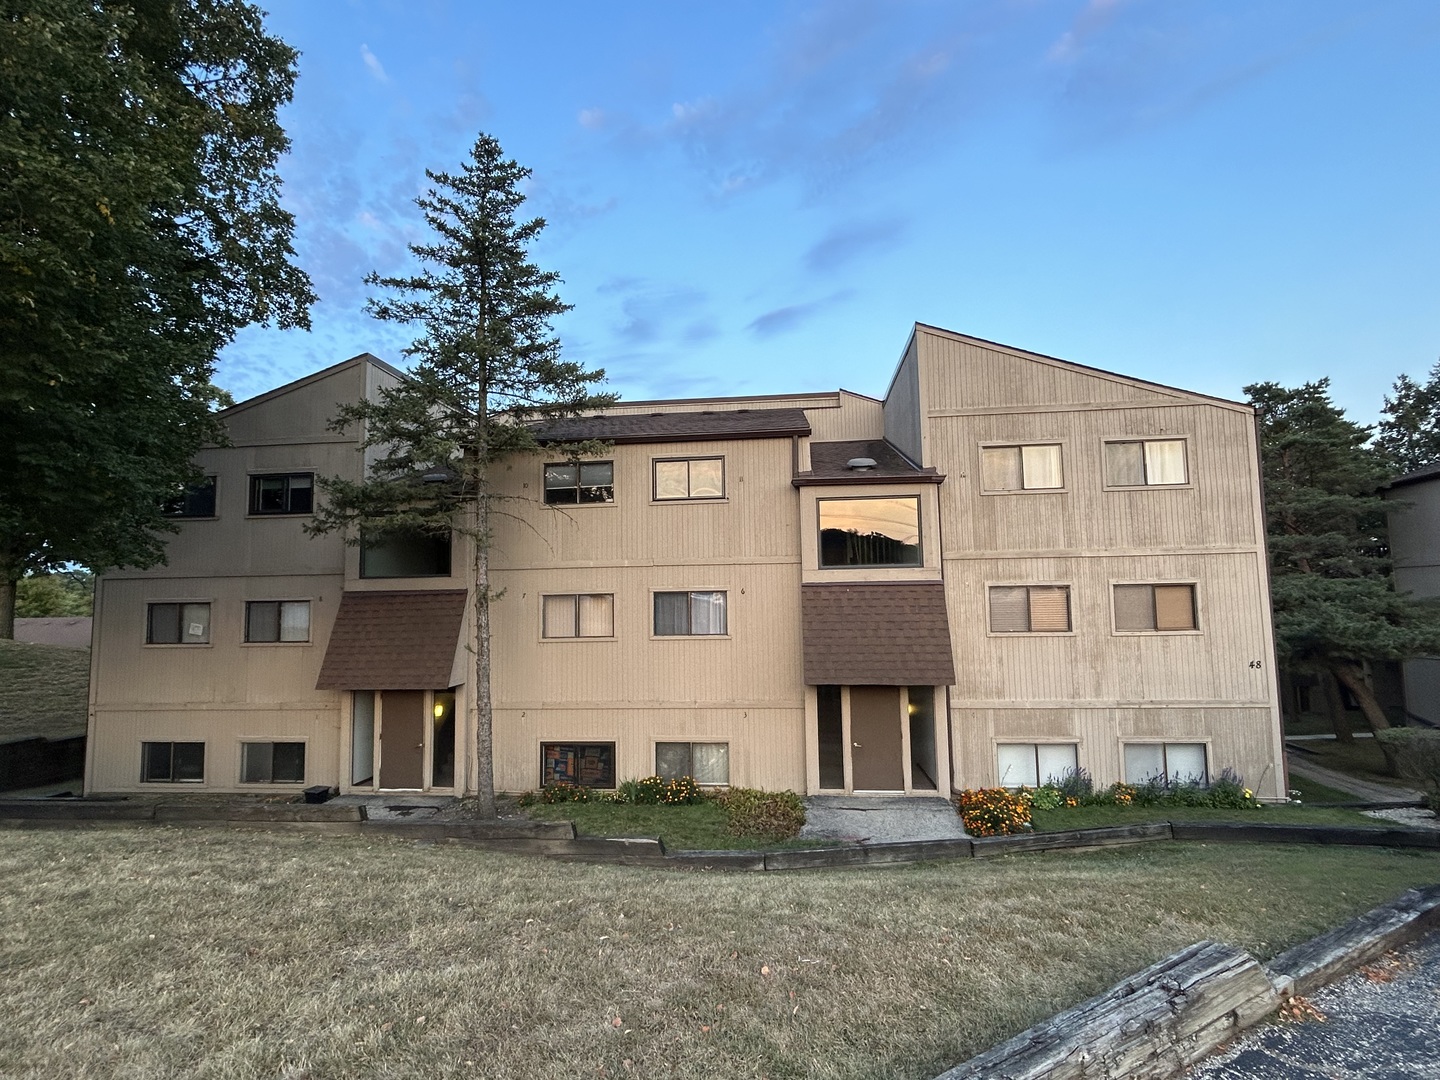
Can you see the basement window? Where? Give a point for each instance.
(172, 762)
(272, 763)
(1033, 764)
(705, 763)
(1170, 763)
(590, 765)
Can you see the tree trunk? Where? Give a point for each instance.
(1353, 679)
(484, 707)
(7, 606)
(1335, 706)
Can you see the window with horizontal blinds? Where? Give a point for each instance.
(1038, 609)
(1174, 607)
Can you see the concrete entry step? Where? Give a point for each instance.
(880, 819)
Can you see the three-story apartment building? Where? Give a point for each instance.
(1010, 567)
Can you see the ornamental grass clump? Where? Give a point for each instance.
(994, 811)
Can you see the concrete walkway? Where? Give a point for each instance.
(884, 819)
(1361, 789)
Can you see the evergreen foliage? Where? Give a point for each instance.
(1333, 600)
(140, 228)
(486, 367)
(1408, 435)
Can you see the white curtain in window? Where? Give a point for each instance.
(1185, 762)
(597, 615)
(1015, 763)
(560, 616)
(1165, 462)
(707, 478)
(707, 613)
(671, 480)
(295, 620)
(1041, 466)
(711, 762)
(1055, 760)
(1144, 761)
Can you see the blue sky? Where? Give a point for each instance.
(763, 197)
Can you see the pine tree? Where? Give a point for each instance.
(1335, 606)
(1408, 436)
(487, 367)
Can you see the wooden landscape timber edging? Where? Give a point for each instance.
(1178, 1011)
(559, 840)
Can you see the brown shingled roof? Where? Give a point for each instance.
(877, 634)
(827, 464)
(393, 641)
(678, 426)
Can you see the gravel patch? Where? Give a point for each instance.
(1413, 817)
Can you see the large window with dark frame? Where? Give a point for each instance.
(870, 531)
(399, 554)
(178, 623)
(282, 493)
(679, 479)
(682, 614)
(272, 763)
(172, 762)
(578, 615)
(705, 762)
(1154, 608)
(196, 501)
(576, 483)
(588, 764)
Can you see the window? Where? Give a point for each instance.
(277, 620)
(578, 615)
(177, 624)
(197, 501)
(1033, 764)
(172, 762)
(282, 493)
(692, 478)
(404, 554)
(580, 482)
(870, 532)
(1145, 463)
(1172, 763)
(272, 763)
(1154, 607)
(706, 763)
(1029, 609)
(1021, 468)
(589, 764)
(685, 613)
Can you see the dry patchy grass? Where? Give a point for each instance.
(44, 691)
(208, 953)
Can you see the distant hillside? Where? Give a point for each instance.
(44, 690)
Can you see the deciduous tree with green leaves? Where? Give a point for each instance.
(1335, 606)
(140, 228)
(487, 367)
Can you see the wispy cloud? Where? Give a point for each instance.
(594, 119)
(372, 64)
(847, 242)
(784, 319)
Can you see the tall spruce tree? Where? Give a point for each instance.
(140, 228)
(487, 367)
(1408, 435)
(1335, 606)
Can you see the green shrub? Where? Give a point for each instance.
(557, 793)
(1416, 753)
(1045, 797)
(771, 815)
(994, 811)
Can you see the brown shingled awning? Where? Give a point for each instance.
(877, 635)
(393, 641)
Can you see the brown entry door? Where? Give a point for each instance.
(876, 746)
(402, 739)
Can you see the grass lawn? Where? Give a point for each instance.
(700, 827)
(44, 690)
(1312, 792)
(1090, 817)
(166, 953)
